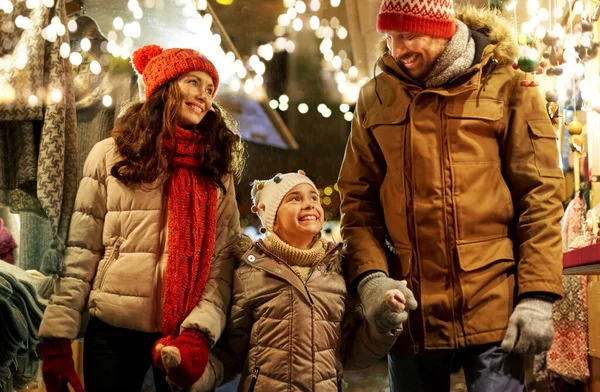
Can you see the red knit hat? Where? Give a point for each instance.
(428, 17)
(158, 66)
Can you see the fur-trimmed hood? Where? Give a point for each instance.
(490, 23)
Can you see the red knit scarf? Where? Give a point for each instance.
(192, 199)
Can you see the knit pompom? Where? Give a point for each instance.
(141, 57)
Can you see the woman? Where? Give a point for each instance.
(155, 218)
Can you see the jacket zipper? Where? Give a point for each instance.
(254, 379)
(113, 256)
(446, 154)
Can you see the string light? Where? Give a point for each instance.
(107, 100)
(303, 108)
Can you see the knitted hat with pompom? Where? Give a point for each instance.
(158, 66)
(267, 195)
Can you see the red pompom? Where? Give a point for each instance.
(142, 56)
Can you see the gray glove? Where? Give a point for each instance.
(530, 327)
(372, 289)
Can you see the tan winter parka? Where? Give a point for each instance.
(287, 335)
(463, 183)
(116, 256)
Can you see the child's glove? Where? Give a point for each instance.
(530, 327)
(385, 300)
(183, 358)
(58, 368)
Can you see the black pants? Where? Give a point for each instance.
(117, 359)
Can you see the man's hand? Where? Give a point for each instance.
(385, 301)
(530, 327)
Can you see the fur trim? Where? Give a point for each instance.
(490, 23)
(333, 264)
(497, 28)
(240, 248)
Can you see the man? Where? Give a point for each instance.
(451, 182)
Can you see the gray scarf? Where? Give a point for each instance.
(455, 59)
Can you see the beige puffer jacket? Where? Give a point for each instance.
(118, 246)
(285, 334)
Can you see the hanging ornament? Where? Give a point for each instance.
(575, 129)
(553, 111)
(596, 14)
(528, 60)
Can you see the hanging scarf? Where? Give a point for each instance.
(192, 206)
(455, 59)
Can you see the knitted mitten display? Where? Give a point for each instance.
(185, 357)
(58, 368)
(372, 290)
(530, 327)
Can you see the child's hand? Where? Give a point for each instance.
(395, 300)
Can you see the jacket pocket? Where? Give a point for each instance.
(545, 151)
(475, 255)
(472, 127)
(254, 379)
(114, 254)
(388, 129)
(385, 116)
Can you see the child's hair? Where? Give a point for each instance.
(140, 135)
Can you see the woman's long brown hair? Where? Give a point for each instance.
(140, 136)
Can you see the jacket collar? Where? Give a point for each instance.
(259, 257)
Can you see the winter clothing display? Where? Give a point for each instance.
(432, 181)
(530, 328)
(371, 289)
(158, 66)
(21, 310)
(567, 359)
(40, 177)
(95, 120)
(7, 244)
(434, 18)
(572, 221)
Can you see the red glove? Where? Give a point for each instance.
(185, 357)
(58, 368)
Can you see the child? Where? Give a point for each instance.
(293, 325)
(148, 245)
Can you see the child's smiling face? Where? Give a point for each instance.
(299, 216)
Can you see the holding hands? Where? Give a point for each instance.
(385, 301)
